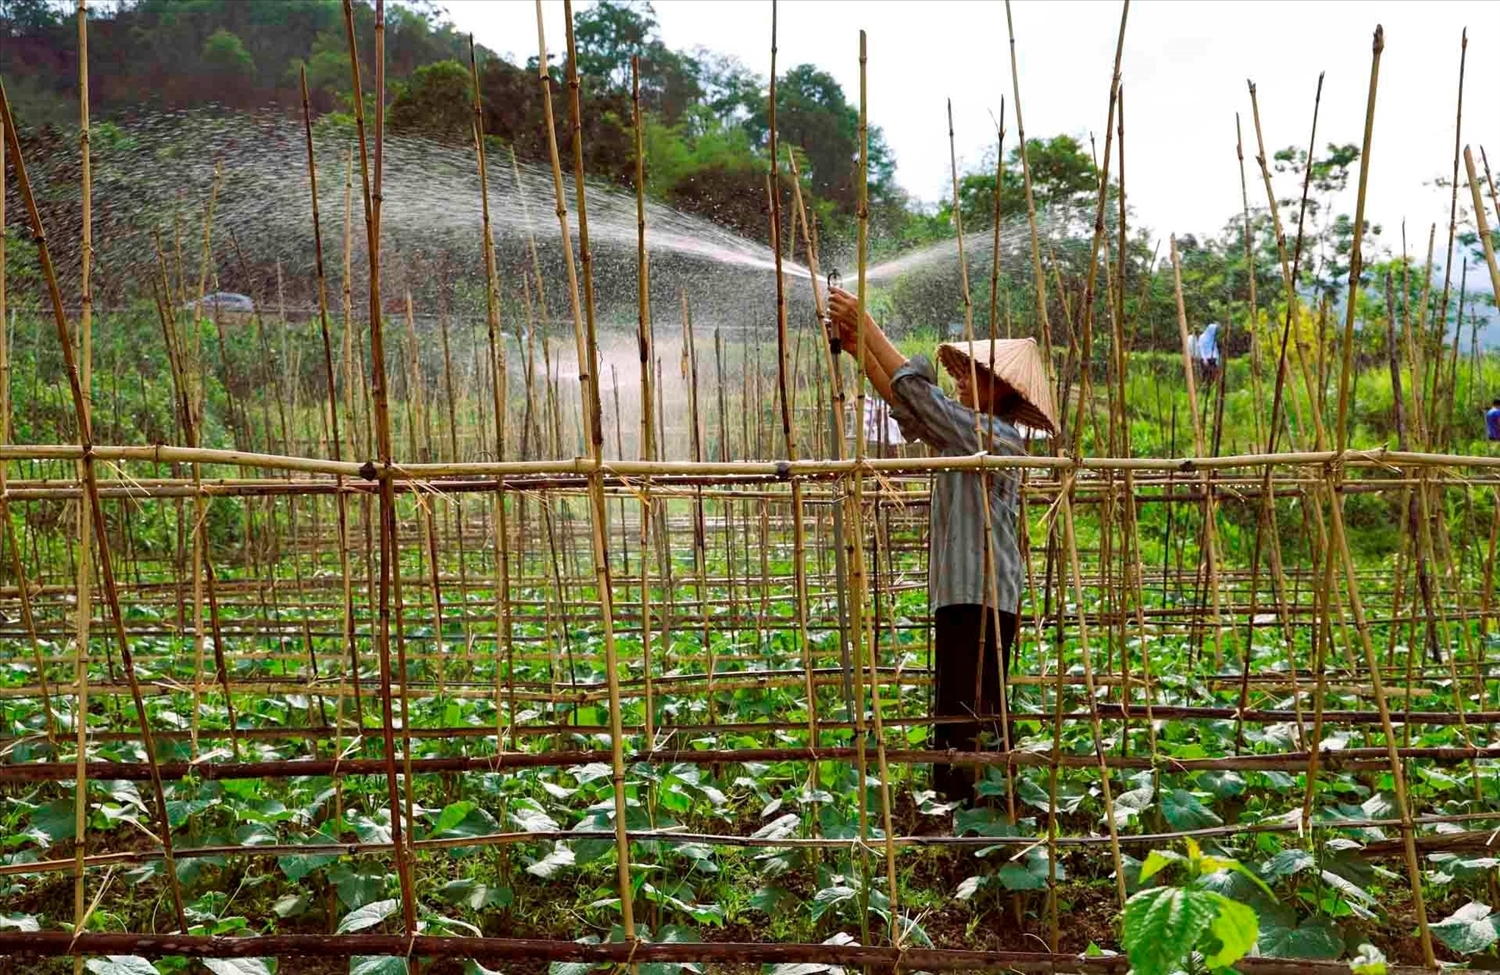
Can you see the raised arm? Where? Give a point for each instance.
(882, 358)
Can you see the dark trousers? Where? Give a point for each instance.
(956, 652)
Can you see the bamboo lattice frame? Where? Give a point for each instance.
(506, 564)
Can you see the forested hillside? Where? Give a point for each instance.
(706, 139)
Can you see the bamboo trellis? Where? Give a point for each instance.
(370, 591)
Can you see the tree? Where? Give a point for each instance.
(1062, 175)
(224, 54)
(610, 33)
(436, 102)
(813, 115)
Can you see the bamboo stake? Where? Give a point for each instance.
(643, 346)
(382, 423)
(335, 440)
(587, 359)
(836, 418)
(498, 376)
(1210, 519)
(1335, 505)
(1482, 221)
(868, 646)
(85, 512)
(785, 406)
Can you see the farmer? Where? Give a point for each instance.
(958, 591)
(1492, 421)
(1206, 350)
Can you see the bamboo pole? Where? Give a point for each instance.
(85, 513)
(835, 413)
(644, 347)
(335, 440)
(1482, 221)
(784, 388)
(382, 423)
(869, 646)
(588, 382)
(1335, 505)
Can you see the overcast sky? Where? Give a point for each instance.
(1184, 71)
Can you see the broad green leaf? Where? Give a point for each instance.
(53, 823)
(1013, 876)
(1282, 937)
(1348, 888)
(767, 899)
(1223, 785)
(1369, 961)
(1184, 811)
(1133, 803)
(296, 866)
(19, 922)
(378, 965)
(779, 828)
(969, 887)
(1163, 924)
(357, 889)
(531, 818)
(179, 811)
(367, 916)
(474, 895)
(812, 967)
(984, 821)
(1467, 930)
(1236, 928)
(463, 819)
(241, 966)
(1157, 861)
(121, 965)
(830, 897)
(291, 905)
(1287, 863)
(1069, 795)
(549, 865)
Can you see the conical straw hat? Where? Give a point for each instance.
(1017, 365)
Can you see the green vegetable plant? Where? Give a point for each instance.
(1167, 924)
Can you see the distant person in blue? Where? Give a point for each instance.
(1492, 421)
(1207, 353)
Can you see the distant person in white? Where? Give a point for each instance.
(1206, 351)
(881, 429)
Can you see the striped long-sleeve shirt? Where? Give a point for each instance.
(955, 574)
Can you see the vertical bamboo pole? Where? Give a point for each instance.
(855, 538)
(85, 598)
(389, 564)
(1210, 518)
(643, 346)
(587, 358)
(91, 497)
(1438, 391)
(836, 426)
(341, 498)
(1335, 505)
(696, 438)
(197, 402)
(1483, 222)
(498, 375)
